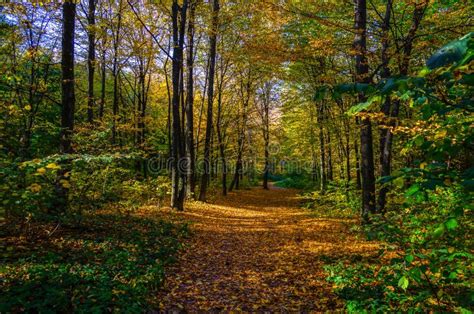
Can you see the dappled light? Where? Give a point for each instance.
(258, 250)
(228, 156)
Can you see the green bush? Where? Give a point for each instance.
(336, 201)
(293, 180)
(27, 189)
(427, 263)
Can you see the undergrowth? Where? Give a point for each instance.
(104, 262)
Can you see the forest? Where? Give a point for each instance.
(174, 156)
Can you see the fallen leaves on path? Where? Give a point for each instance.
(256, 250)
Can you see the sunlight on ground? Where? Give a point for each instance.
(257, 249)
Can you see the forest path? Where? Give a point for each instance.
(257, 250)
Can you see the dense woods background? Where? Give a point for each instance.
(107, 106)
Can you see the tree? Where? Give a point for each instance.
(190, 154)
(177, 145)
(91, 60)
(391, 108)
(210, 96)
(67, 84)
(366, 142)
(266, 98)
(115, 71)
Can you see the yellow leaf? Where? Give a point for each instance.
(65, 184)
(441, 134)
(35, 188)
(53, 166)
(27, 107)
(41, 170)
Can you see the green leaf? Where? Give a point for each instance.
(438, 232)
(412, 190)
(403, 283)
(451, 224)
(365, 105)
(454, 52)
(409, 258)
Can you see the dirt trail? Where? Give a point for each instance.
(256, 250)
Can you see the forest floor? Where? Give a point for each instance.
(257, 250)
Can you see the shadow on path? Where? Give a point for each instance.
(256, 250)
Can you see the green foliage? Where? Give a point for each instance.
(336, 201)
(460, 51)
(114, 263)
(28, 188)
(427, 261)
(293, 180)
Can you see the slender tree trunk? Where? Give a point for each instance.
(68, 100)
(322, 150)
(177, 177)
(102, 86)
(385, 132)
(201, 110)
(220, 133)
(210, 97)
(238, 168)
(220, 138)
(391, 109)
(170, 102)
(357, 155)
(91, 60)
(266, 137)
(190, 104)
(245, 94)
(115, 104)
(366, 148)
(330, 167)
(348, 151)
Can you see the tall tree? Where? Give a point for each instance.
(190, 103)
(391, 108)
(67, 83)
(177, 146)
(91, 60)
(60, 203)
(115, 72)
(210, 96)
(219, 122)
(266, 94)
(366, 142)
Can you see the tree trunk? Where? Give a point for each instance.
(210, 100)
(245, 94)
(190, 105)
(366, 142)
(220, 135)
(386, 136)
(267, 147)
(177, 147)
(91, 60)
(384, 132)
(60, 203)
(102, 86)
(115, 104)
(67, 82)
(330, 167)
(322, 152)
(266, 131)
